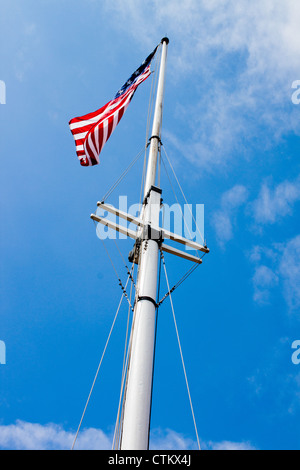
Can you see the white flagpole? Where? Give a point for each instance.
(137, 400)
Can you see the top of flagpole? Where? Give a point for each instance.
(157, 121)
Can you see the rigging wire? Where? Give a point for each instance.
(115, 270)
(183, 195)
(98, 368)
(125, 382)
(180, 350)
(126, 267)
(122, 176)
(182, 215)
(184, 277)
(116, 438)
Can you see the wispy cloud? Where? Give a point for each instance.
(23, 62)
(253, 60)
(170, 440)
(272, 204)
(289, 270)
(227, 445)
(33, 436)
(278, 265)
(273, 374)
(223, 219)
(264, 280)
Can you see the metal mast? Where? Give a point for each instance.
(137, 401)
(149, 238)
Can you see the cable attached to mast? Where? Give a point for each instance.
(181, 190)
(98, 368)
(118, 425)
(180, 350)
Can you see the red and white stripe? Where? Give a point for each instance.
(94, 129)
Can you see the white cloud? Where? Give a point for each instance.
(273, 374)
(255, 254)
(264, 279)
(223, 219)
(234, 198)
(273, 204)
(33, 436)
(170, 440)
(227, 445)
(295, 387)
(277, 266)
(289, 270)
(23, 61)
(266, 30)
(244, 56)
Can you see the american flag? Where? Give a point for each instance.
(94, 129)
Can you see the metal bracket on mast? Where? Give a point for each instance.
(153, 188)
(154, 137)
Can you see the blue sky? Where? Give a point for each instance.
(231, 130)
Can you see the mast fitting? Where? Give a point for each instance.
(145, 297)
(153, 188)
(155, 137)
(150, 233)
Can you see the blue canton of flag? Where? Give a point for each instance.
(136, 74)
